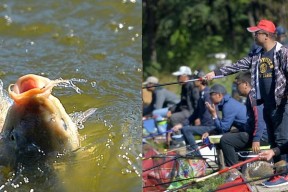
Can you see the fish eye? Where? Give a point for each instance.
(64, 124)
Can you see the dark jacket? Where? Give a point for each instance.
(256, 126)
(201, 111)
(189, 98)
(233, 114)
(161, 98)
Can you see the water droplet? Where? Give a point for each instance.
(93, 84)
(121, 25)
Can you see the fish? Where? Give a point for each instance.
(5, 103)
(36, 130)
(37, 124)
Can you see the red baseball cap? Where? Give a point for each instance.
(265, 25)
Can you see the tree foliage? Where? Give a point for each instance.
(186, 32)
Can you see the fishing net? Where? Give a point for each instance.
(161, 172)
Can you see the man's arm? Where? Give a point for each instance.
(260, 125)
(241, 65)
(229, 113)
(159, 99)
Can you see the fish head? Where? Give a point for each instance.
(37, 123)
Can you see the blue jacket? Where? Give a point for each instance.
(201, 110)
(233, 114)
(256, 126)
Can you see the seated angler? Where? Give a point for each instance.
(162, 98)
(188, 103)
(200, 117)
(233, 114)
(255, 133)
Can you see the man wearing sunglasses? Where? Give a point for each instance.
(269, 69)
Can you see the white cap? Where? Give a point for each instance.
(183, 70)
(151, 79)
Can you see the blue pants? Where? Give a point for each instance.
(277, 121)
(189, 132)
(160, 113)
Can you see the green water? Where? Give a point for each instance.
(99, 43)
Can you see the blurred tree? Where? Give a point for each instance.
(184, 32)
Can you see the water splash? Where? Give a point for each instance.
(80, 117)
(69, 83)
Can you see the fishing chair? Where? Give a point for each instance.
(243, 154)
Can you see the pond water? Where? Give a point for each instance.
(98, 43)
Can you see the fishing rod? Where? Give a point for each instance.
(165, 153)
(176, 157)
(276, 165)
(218, 172)
(175, 181)
(154, 135)
(191, 80)
(250, 181)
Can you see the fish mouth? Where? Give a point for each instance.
(30, 86)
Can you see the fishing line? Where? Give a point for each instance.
(179, 82)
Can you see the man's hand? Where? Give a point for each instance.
(210, 75)
(205, 135)
(211, 108)
(169, 114)
(267, 155)
(256, 147)
(177, 127)
(197, 122)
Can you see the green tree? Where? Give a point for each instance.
(185, 32)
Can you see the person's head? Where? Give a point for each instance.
(217, 92)
(200, 83)
(183, 74)
(281, 34)
(151, 81)
(264, 32)
(243, 82)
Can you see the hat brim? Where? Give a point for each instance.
(253, 29)
(178, 73)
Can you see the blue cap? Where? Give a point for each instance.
(218, 89)
(280, 30)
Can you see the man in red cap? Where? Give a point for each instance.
(269, 69)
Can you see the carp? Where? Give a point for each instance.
(36, 124)
(37, 130)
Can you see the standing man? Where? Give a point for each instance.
(255, 132)
(281, 35)
(269, 86)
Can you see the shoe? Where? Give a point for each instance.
(193, 152)
(176, 144)
(275, 181)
